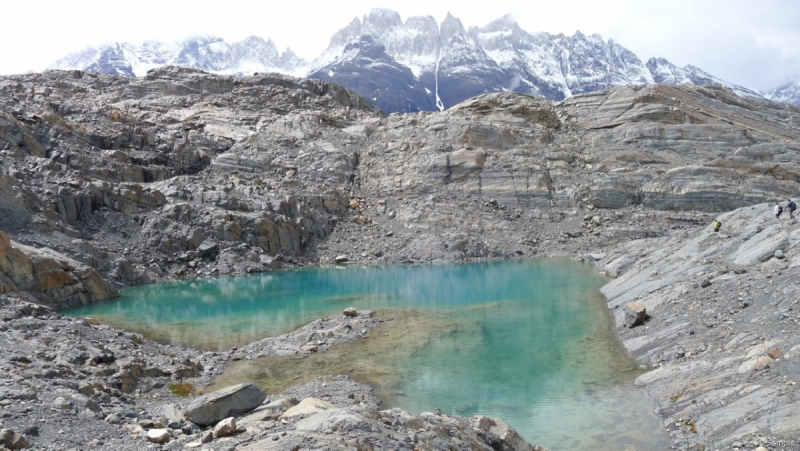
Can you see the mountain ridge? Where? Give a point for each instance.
(433, 65)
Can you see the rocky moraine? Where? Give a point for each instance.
(107, 182)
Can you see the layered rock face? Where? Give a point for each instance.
(723, 337)
(186, 173)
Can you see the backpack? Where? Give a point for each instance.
(791, 206)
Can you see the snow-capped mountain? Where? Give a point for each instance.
(452, 64)
(788, 93)
(417, 64)
(207, 53)
(665, 72)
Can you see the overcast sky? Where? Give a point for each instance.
(754, 43)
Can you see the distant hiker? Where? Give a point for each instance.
(778, 210)
(791, 206)
(717, 225)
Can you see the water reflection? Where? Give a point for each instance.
(528, 341)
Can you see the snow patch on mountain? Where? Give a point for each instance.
(788, 93)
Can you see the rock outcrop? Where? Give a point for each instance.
(51, 277)
(183, 173)
(723, 338)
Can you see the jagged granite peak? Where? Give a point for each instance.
(208, 53)
(414, 43)
(788, 93)
(111, 60)
(465, 69)
(531, 60)
(290, 62)
(365, 66)
(450, 28)
(589, 63)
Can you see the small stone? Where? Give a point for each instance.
(353, 203)
(779, 254)
(225, 427)
(775, 353)
(158, 436)
(62, 404)
(350, 311)
(146, 424)
(112, 418)
(206, 437)
(341, 259)
(705, 283)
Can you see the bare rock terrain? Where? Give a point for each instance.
(107, 182)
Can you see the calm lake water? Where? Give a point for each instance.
(529, 341)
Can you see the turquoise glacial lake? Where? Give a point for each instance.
(528, 341)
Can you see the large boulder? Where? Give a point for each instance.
(209, 409)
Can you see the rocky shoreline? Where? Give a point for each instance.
(108, 182)
(71, 383)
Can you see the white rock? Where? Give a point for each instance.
(225, 427)
(308, 406)
(158, 436)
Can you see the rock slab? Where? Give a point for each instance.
(209, 409)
